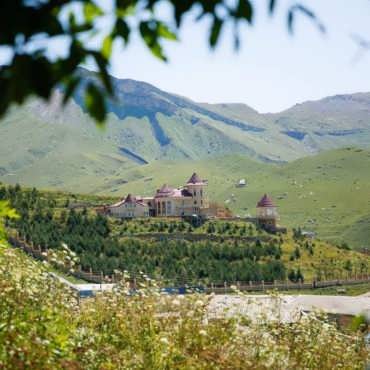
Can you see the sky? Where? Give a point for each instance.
(273, 70)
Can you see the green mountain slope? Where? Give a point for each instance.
(331, 122)
(327, 193)
(146, 124)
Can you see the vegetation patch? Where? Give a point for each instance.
(220, 251)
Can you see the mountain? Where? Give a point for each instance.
(328, 123)
(47, 146)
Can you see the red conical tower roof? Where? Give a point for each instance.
(265, 202)
(195, 179)
(164, 191)
(129, 199)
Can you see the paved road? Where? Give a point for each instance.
(287, 308)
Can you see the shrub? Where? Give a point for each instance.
(42, 326)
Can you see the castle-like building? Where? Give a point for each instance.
(188, 200)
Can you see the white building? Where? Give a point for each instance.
(130, 207)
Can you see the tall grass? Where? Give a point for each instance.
(43, 326)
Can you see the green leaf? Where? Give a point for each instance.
(308, 13)
(290, 20)
(125, 8)
(70, 88)
(165, 32)
(272, 6)
(244, 10)
(157, 51)
(94, 103)
(91, 11)
(215, 31)
(6, 211)
(122, 29)
(107, 47)
(103, 73)
(149, 34)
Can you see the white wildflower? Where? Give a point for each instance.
(164, 340)
(176, 302)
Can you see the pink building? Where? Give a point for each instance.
(191, 199)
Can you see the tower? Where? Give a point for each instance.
(197, 188)
(267, 215)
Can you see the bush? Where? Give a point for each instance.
(42, 326)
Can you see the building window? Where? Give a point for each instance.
(195, 202)
(169, 208)
(201, 192)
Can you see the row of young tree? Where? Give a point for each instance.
(190, 260)
(212, 227)
(45, 223)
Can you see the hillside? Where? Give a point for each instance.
(47, 146)
(44, 326)
(334, 121)
(326, 193)
(216, 251)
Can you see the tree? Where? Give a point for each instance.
(299, 275)
(297, 253)
(28, 28)
(292, 276)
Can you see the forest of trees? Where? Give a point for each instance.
(47, 224)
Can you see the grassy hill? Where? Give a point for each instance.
(215, 252)
(47, 146)
(327, 193)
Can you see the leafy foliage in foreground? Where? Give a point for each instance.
(43, 327)
(77, 22)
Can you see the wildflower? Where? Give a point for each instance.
(164, 340)
(176, 302)
(203, 333)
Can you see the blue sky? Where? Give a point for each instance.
(273, 70)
